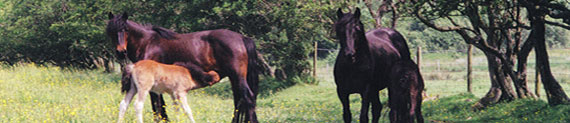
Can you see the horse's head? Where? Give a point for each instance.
(349, 32)
(118, 31)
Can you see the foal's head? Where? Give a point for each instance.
(118, 31)
(349, 32)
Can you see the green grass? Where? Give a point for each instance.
(457, 108)
(33, 93)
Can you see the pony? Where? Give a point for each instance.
(364, 61)
(151, 76)
(228, 53)
(405, 92)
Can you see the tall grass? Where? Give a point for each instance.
(32, 93)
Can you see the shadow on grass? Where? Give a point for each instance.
(457, 108)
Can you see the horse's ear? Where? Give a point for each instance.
(125, 16)
(111, 16)
(357, 13)
(339, 13)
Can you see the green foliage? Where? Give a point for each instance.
(417, 34)
(60, 33)
(71, 33)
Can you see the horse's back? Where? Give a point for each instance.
(219, 38)
(388, 40)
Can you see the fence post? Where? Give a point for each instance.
(469, 68)
(315, 62)
(419, 57)
(537, 81)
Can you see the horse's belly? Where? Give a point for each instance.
(163, 87)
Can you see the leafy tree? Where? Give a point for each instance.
(71, 33)
(55, 32)
(495, 27)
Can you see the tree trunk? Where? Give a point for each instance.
(537, 81)
(521, 85)
(469, 67)
(501, 89)
(554, 91)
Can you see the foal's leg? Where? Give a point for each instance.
(184, 101)
(376, 105)
(345, 106)
(175, 100)
(139, 103)
(125, 103)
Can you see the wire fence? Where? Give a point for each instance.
(448, 68)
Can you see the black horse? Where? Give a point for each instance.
(364, 62)
(405, 92)
(226, 52)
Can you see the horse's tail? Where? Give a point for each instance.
(126, 80)
(252, 81)
(252, 66)
(400, 44)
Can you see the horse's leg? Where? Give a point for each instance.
(139, 103)
(125, 103)
(392, 102)
(246, 101)
(244, 97)
(158, 106)
(376, 105)
(237, 98)
(365, 106)
(182, 98)
(418, 101)
(346, 116)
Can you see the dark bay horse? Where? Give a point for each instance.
(364, 62)
(405, 92)
(226, 52)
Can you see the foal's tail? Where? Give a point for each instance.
(126, 80)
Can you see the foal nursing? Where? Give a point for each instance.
(148, 75)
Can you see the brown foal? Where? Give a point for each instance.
(151, 76)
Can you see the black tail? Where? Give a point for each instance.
(252, 66)
(126, 78)
(252, 79)
(400, 44)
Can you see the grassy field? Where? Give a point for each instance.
(35, 93)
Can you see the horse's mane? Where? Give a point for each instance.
(164, 33)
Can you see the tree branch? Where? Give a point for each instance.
(557, 24)
(432, 25)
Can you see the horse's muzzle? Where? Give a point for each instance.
(121, 54)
